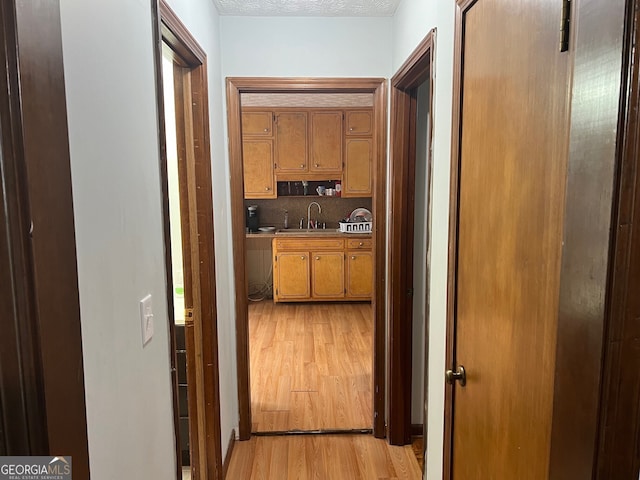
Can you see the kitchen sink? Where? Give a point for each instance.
(308, 232)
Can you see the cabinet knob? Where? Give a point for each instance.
(351, 129)
(353, 257)
(266, 129)
(301, 165)
(317, 258)
(302, 257)
(267, 188)
(361, 244)
(317, 165)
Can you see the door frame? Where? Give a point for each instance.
(42, 377)
(235, 87)
(169, 30)
(417, 69)
(585, 265)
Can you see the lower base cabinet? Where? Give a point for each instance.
(327, 269)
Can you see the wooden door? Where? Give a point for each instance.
(326, 143)
(357, 176)
(512, 173)
(292, 275)
(291, 142)
(328, 275)
(257, 158)
(359, 274)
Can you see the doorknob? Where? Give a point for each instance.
(460, 375)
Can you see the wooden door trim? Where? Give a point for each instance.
(168, 29)
(235, 87)
(454, 192)
(417, 69)
(38, 153)
(618, 452)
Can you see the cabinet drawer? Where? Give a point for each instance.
(359, 244)
(310, 244)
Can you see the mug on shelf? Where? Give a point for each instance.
(321, 190)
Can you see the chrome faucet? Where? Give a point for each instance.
(310, 225)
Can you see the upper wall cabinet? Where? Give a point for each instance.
(359, 122)
(257, 123)
(257, 155)
(291, 143)
(326, 143)
(313, 144)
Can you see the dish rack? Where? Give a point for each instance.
(356, 227)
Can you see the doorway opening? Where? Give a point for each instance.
(188, 232)
(236, 90)
(410, 240)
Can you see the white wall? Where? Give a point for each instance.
(297, 47)
(411, 23)
(118, 218)
(111, 102)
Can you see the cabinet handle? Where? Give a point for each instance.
(302, 257)
(266, 129)
(353, 257)
(317, 165)
(317, 258)
(351, 129)
(301, 165)
(267, 188)
(361, 244)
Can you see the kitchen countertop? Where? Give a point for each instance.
(291, 233)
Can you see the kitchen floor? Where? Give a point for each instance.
(311, 366)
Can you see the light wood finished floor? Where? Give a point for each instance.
(311, 366)
(322, 457)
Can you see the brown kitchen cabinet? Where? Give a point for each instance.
(327, 275)
(291, 276)
(291, 143)
(257, 123)
(259, 179)
(359, 122)
(325, 144)
(313, 269)
(357, 177)
(359, 274)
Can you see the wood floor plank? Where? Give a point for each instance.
(313, 361)
(321, 457)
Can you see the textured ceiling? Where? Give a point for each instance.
(308, 8)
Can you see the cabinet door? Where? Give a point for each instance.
(291, 142)
(326, 143)
(359, 274)
(291, 271)
(359, 122)
(327, 279)
(257, 123)
(357, 175)
(257, 160)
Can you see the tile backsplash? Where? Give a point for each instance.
(334, 209)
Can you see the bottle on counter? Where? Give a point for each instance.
(286, 219)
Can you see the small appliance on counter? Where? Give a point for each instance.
(252, 218)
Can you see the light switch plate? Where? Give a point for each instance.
(146, 319)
